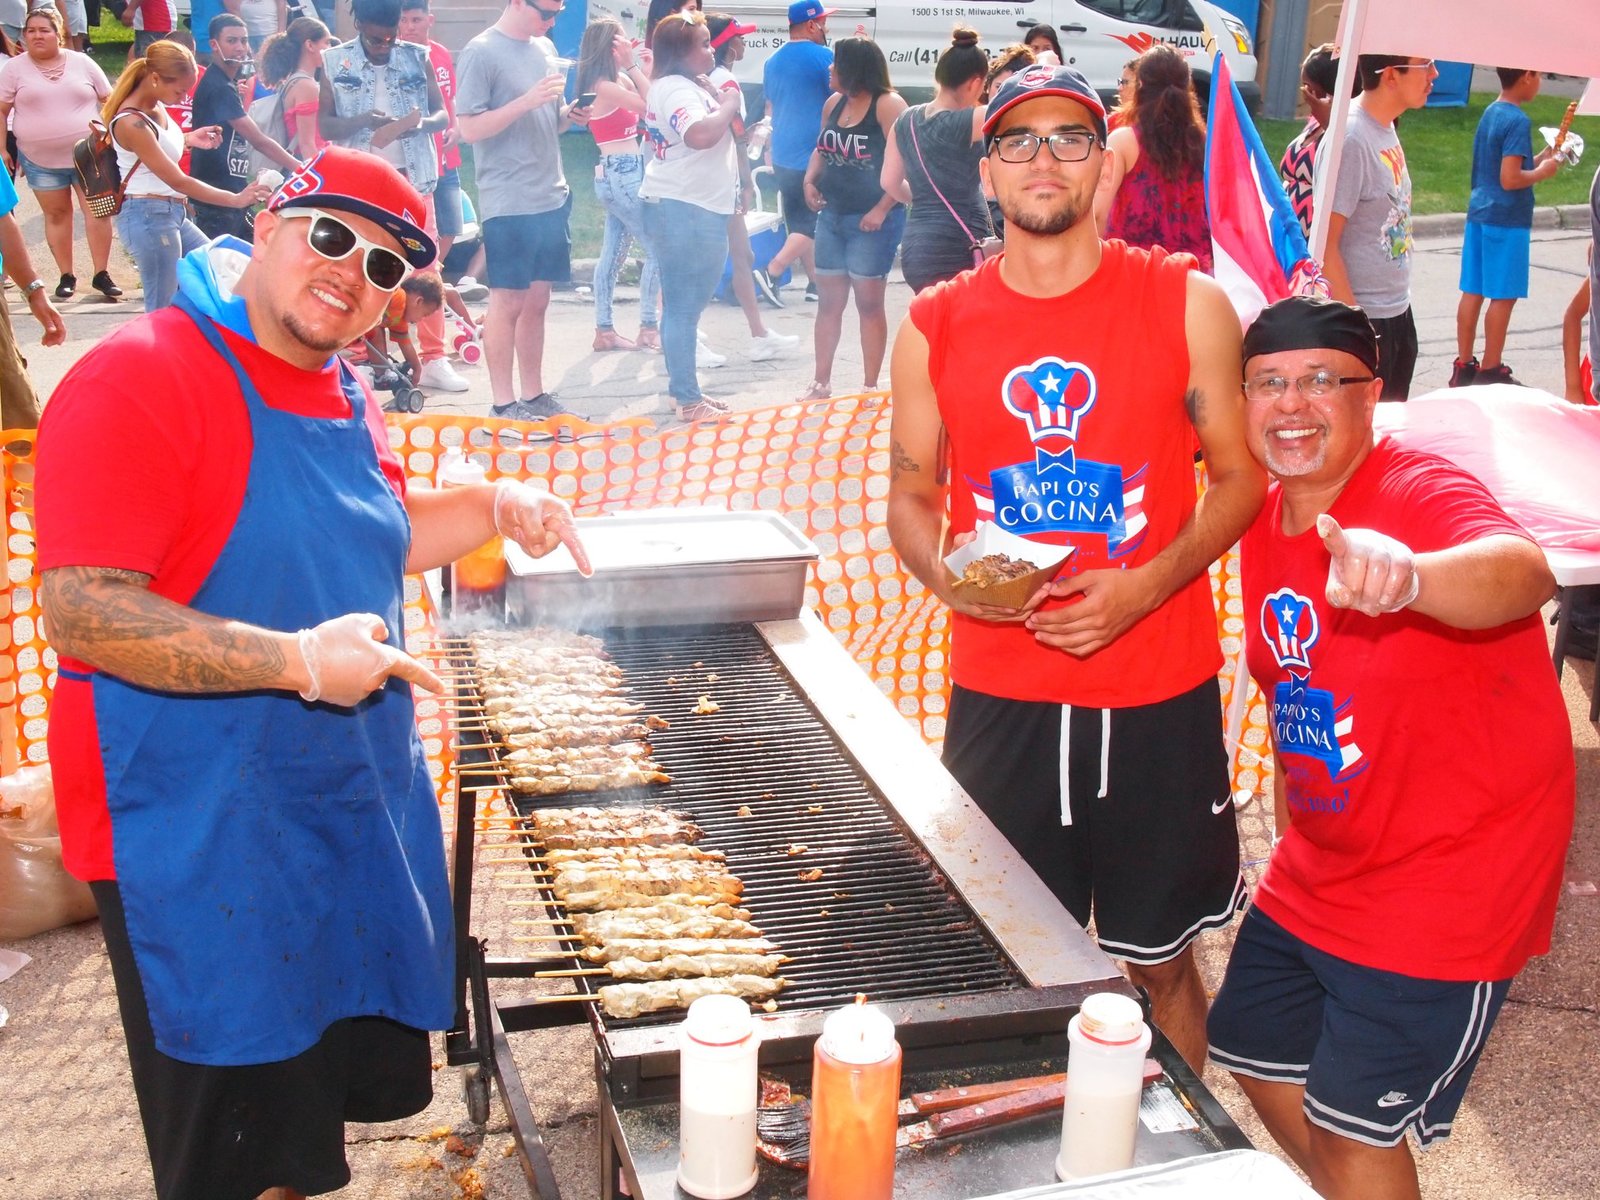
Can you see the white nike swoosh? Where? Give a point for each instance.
(1218, 807)
(1388, 1103)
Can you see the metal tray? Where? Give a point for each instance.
(678, 566)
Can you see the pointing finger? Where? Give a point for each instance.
(1332, 536)
(405, 667)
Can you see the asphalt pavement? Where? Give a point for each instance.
(70, 1124)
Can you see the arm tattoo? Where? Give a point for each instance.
(901, 461)
(111, 620)
(1194, 403)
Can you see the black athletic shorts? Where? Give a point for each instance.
(231, 1133)
(1144, 837)
(797, 214)
(1397, 354)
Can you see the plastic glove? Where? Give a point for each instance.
(347, 660)
(537, 521)
(1370, 572)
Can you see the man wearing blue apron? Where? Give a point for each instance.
(223, 534)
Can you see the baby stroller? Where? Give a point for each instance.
(386, 375)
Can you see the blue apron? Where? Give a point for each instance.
(281, 863)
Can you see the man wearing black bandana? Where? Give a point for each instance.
(1424, 772)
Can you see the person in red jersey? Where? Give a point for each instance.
(1069, 379)
(223, 535)
(1425, 775)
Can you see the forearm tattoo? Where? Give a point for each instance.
(111, 620)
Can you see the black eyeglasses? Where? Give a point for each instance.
(1313, 386)
(1064, 147)
(549, 14)
(334, 240)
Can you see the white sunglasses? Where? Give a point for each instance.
(330, 237)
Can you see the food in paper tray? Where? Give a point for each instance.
(995, 568)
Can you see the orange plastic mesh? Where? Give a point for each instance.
(823, 465)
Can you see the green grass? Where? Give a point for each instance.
(1438, 144)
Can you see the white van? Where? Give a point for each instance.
(1097, 36)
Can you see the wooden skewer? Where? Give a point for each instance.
(575, 997)
(575, 974)
(539, 921)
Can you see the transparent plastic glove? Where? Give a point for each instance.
(537, 521)
(347, 659)
(1370, 572)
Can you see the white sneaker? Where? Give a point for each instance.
(471, 290)
(705, 356)
(773, 344)
(442, 377)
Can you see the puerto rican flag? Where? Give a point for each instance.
(1259, 250)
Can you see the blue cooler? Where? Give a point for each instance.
(767, 236)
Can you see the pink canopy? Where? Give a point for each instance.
(1538, 455)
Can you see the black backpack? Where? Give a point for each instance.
(95, 161)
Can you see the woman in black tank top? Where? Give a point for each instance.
(858, 224)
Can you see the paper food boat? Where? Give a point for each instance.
(1012, 593)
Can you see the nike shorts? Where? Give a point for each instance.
(1377, 1053)
(1125, 813)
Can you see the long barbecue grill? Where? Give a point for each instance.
(920, 903)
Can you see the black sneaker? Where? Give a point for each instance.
(811, 292)
(1463, 373)
(105, 285)
(67, 286)
(766, 288)
(1500, 373)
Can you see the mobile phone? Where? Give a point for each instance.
(586, 99)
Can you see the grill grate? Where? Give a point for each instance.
(881, 919)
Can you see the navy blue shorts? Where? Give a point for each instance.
(1377, 1053)
(844, 248)
(524, 249)
(797, 214)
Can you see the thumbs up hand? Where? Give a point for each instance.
(1369, 571)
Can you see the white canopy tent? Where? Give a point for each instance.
(1560, 36)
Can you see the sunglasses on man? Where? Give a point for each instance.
(335, 241)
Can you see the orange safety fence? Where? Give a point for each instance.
(823, 465)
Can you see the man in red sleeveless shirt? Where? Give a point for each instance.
(1069, 379)
(1424, 768)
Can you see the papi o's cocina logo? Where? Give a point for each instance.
(1306, 720)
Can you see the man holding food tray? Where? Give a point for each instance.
(1425, 779)
(223, 535)
(1063, 386)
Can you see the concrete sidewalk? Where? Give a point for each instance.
(1526, 1133)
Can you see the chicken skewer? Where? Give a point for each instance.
(684, 966)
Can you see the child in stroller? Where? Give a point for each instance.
(418, 297)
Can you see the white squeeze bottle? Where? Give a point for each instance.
(1107, 1042)
(717, 1045)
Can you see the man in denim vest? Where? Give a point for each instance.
(379, 94)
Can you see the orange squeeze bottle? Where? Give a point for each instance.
(855, 1092)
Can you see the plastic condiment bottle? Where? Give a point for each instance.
(855, 1090)
(1107, 1042)
(717, 1045)
(477, 577)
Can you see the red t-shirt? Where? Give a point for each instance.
(143, 455)
(444, 69)
(1428, 770)
(160, 16)
(183, 114)
(1067, 425)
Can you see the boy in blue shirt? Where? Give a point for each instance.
(1494, 249)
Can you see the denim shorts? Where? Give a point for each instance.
(844, 248)
(1377, 1053)
(528, 248)
(46, 179)
(1494, 261)
(447, 203)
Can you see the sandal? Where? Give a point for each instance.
(817, 391)
(703, 409)
(610, 339)
(649, 338)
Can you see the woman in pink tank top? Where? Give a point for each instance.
(1156, 193)
(609, 65)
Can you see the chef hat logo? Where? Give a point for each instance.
(1050, 395)
(1289, 622)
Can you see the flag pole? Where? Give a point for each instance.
(1351, 20)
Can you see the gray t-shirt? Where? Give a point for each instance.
(1594, 284)
(1373, 195)
(518, 170)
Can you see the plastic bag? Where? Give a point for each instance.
(36, 893)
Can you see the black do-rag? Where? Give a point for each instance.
(1310, 323)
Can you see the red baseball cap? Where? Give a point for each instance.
(1041, 80)
(354, 181)
(730, 31)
